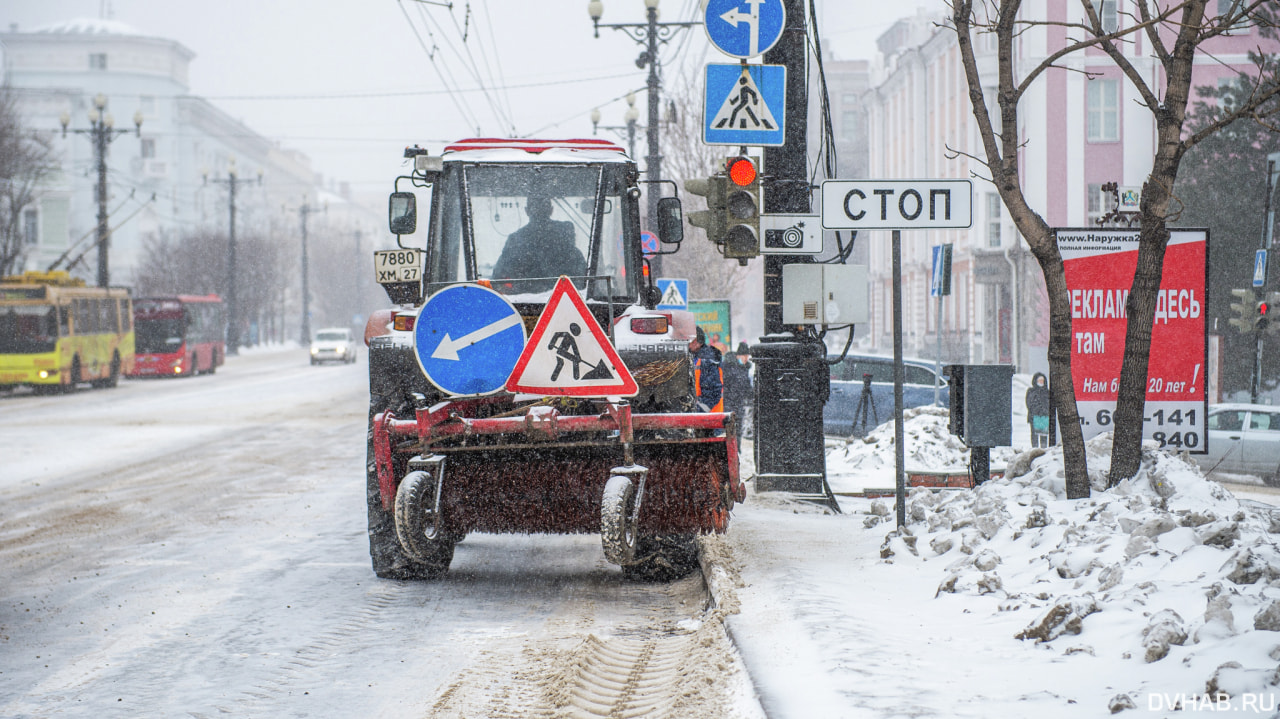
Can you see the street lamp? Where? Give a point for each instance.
(233, 308)
(649, 35)
(630, 118)
(102, 132)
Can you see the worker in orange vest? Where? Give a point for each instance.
(708, 377)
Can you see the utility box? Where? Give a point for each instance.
(981, 403)
(793, 381)
(818, 294)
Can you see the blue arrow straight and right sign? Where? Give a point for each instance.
(467, 339)
(744, 28)
(745, 105)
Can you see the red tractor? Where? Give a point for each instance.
(499, 386)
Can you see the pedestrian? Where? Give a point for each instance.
(708, 381)
(737, 384)
(1038, 410)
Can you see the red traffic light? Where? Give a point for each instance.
(741, 171)
(1262, 309)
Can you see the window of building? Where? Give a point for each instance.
(848, 99)
(148, 148)
(1100, 203)
(147, 104)
(1109, 16)
(30, 226)
(848, 124)
(994, 212)
(1104, 110)
(97, 61)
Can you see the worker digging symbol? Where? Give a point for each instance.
(747, 97)
(566, 348)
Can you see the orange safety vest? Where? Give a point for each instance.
(697, 383)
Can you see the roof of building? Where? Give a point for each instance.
(91, 26)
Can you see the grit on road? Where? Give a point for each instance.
(197, 547)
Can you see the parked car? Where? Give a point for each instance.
(847, 385)
(333, 344)
(1243, 439)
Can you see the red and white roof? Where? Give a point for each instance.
(494, 149)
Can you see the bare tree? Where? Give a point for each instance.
(27, 160)
(196, 263)
(1175, 32)
(686, 157)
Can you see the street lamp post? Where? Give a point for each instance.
(650, 35)
(303, 211)
(629, 128)
(101, 132)
(233, 307)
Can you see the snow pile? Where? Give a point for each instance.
(1166, 571)
(869, 462)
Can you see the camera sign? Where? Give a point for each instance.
(788, 234)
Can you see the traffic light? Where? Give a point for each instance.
(1269, 305)
(1244, 309)
(1260, 317)
(742, 209)
(712, 219)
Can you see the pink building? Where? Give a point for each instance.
(1077, 133)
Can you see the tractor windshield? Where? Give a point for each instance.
(522, 226)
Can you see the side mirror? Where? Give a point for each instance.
(403, 213)
(670, 221)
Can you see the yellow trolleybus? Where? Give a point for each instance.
(56, 333)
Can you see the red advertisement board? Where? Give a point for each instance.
(1099, 265)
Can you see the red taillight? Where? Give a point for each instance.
(649, 325)
(403, 323)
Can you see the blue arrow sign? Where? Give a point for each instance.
(745, 105)
(675, 293)
(744, 28)
(467, 339)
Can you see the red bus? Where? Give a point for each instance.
(181, 335)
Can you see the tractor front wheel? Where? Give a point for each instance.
(418, 525)
(617, 522)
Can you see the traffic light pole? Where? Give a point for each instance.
(786, 183)
(1260, 324)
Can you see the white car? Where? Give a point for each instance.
(334, 344)
(1243, 439)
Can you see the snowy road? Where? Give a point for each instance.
(196, 547)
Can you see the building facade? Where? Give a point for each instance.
(1081, 127)
(168, 177)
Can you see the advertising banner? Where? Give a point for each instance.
(713, 317)
(1100, 264)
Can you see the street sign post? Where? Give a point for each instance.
(897, 204)
(744, 105)
(744, 34)
(467, 339)
(675, 293)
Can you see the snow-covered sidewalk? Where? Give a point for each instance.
(1009, 600)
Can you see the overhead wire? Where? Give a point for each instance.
(459, 103)
(467, 60)
(827, 145)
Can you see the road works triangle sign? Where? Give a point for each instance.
(568, 354)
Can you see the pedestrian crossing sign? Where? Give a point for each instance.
(745, 105)
(568, 354)
(675, 293)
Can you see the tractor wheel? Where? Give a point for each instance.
(417, 524)
(389, 559)
(663, 558)
(617, 527)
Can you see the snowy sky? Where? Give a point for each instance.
(350, 85)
